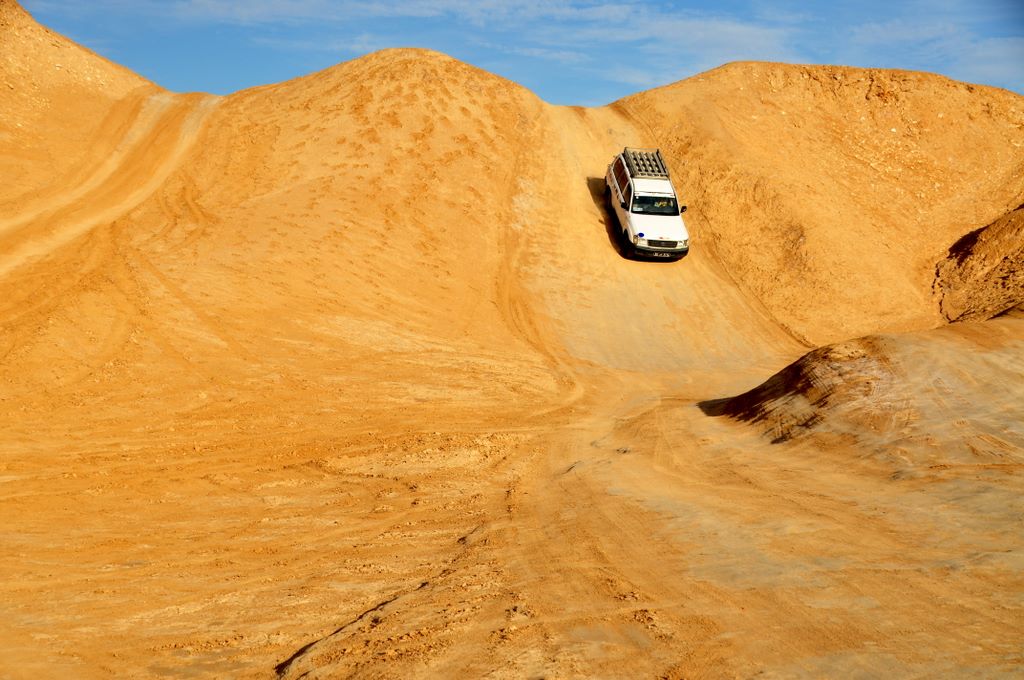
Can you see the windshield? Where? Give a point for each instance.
(655, 205)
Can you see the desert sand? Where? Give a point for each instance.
(346, 377)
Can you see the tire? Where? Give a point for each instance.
(627, 246)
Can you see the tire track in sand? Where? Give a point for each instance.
(165, 130)
(126, 124)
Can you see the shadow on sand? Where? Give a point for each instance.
(596, 186)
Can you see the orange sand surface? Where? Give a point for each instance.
(346, 377)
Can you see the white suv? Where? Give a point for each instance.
(640, 193)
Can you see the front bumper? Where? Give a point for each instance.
(661, 253)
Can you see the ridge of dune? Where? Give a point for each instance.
(37, 61)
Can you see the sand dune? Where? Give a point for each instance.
(345, 376)
(930, 398)
(981, 275)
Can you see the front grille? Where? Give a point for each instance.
(662, 244)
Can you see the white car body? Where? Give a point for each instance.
(643, 199)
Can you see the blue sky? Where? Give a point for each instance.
(585, 52)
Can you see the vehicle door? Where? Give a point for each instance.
(624, 210)
(622, 189)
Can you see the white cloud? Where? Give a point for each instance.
(637, 43)
(992, 60)
(480, 12)
(638, 77)
(902, 31)
(571, 34)
(548, 54)
(358, 44)
(949, 39)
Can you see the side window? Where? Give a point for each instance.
(620, 174)
(628, 194)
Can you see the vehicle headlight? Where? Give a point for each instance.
(685, 243)
(637, 241)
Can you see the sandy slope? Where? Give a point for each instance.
(980, 276)
(64, 108)
(344, 376)
(830, 192)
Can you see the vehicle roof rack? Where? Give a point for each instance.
(645, 163)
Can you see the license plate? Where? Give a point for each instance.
(662, 254)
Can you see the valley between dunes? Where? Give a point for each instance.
(346, 376)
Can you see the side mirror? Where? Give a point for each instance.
(682, 209)
(622, 204)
